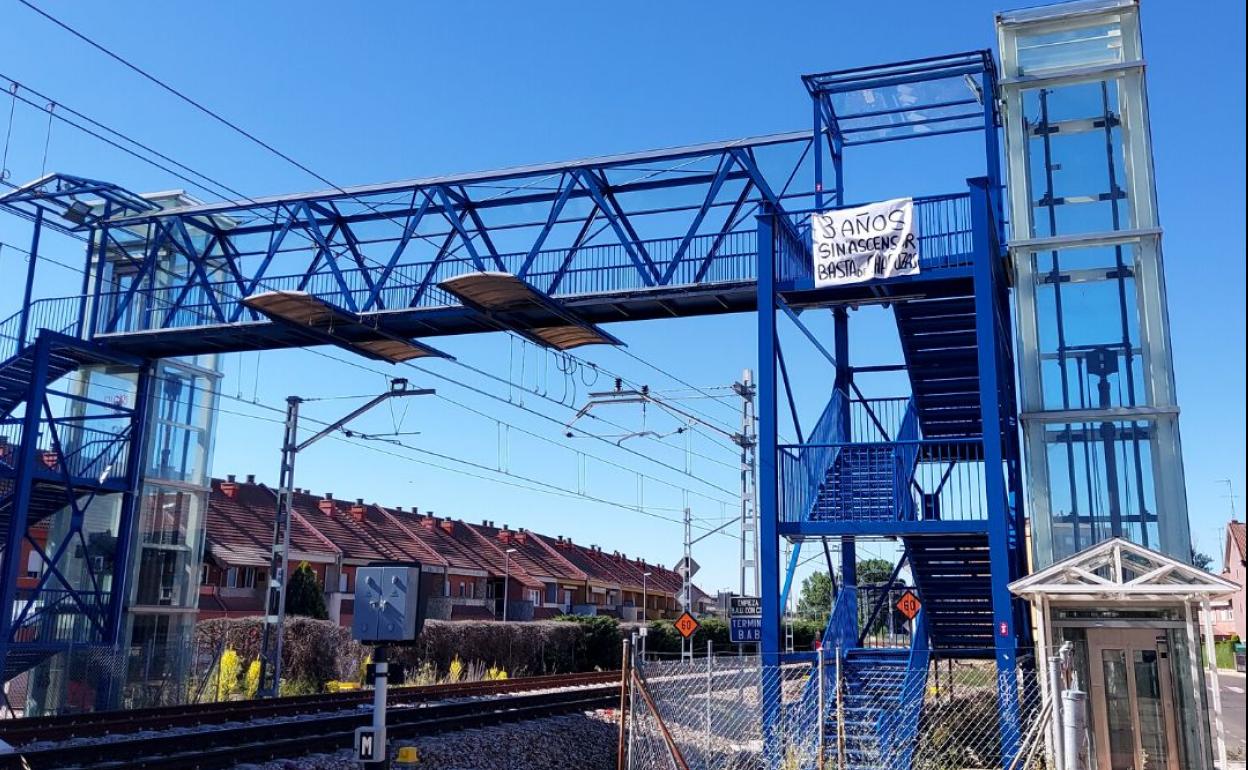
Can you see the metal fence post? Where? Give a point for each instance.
(710, 651)
(1055, 698)
(820, 714)
(1075, 717)
(624, 705)
(840, 713)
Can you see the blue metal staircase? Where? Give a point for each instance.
(939, 343)
(953, 575)
(859, 485)
(60, 450)
(872, 688)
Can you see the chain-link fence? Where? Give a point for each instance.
(887, 709)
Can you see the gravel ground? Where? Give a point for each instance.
(571, 742)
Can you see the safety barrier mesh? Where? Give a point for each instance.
(901, 710)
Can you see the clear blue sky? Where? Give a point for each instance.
(380, 91)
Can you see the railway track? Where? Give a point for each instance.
(223, 734)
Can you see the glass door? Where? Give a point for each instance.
(1132, 709)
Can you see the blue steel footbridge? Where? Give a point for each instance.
(714, 228)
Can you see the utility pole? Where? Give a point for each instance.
(749, 469)
(687, 578)
(275, 604)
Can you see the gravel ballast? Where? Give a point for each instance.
(570, 742)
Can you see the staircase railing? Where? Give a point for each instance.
(803, 467)
(898, 728)
(61, 314)
(905, 457)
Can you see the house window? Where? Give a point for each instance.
(204, 574)
(535, 596)
(344, 582)
(240, 577)
(34, 565)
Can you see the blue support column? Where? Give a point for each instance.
(768, 499)
(987, 334)
(817, 147)
(24, 324)
(131, 502)
(844, 376)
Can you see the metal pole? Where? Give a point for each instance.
(1055, 696)
(840, 713)
(1211, 662)
(620, 754)
(643, 597)
(381, 669)
(819, 712)
(749, 469)
(687, 572)
(710, 654)
(1075, 719)
(279, 565)
(506, 581)
(24, 323)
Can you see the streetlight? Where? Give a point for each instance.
(644, 575)
(506, 578)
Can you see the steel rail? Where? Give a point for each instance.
(19, 732)
(222, 747)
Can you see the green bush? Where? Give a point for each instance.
(598, 648)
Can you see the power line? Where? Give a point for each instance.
(323, 179)
(536, 485)
(15, 86)
(175, 92)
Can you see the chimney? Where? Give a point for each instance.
(228, 487)
(326, 504)
(251, 478)
(398, 509)
(448, 527)
(357, 510)
(521, 537)
(427, 522)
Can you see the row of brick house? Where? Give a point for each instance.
(464, 565)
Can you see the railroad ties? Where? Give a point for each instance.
(220, 735)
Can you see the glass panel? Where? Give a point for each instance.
(1083, 47)
(1075, 159)
(1118, 711)
(1149, 706)
(1100, 484)
(1087, 316)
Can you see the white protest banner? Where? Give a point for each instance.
(879, 240)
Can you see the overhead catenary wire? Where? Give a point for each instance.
(269, 147)
(121, 135)
(513, 479)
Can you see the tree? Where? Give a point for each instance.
(1201, 560)
(304, 595)
(872, 571)
(815, 600)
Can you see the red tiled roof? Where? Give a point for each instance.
(491, 552)
(240, 525)
(458, 552)
(239, 529)
(1235, 532)
(531, 555)
(340, 530)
